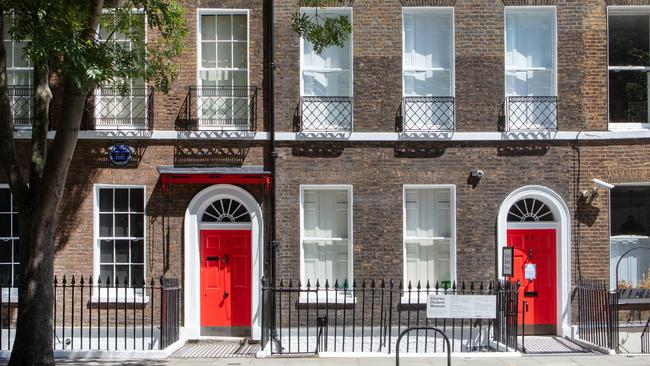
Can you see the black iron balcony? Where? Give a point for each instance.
(428, 114)
(531, 113)
(326, 114)
(109, 107)
(220, 108)
(20, 99)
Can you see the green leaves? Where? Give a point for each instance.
(322, 30)
(136, 40)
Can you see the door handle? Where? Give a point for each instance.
(213, 258)
(225, 294)
(225, 258)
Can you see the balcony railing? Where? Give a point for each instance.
(531, 113)
(326, 114)
(21, 100)
(427, 114)
(225, 108)
(108, 107)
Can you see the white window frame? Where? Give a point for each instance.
(432, 10)
(626, 10)
(340, 10)
(97, 92)
(11, 294)
(452, 239)
(29, 68)
(530, 9)
(117, 294)
(303, 278)
(613, 285)
(199, 68)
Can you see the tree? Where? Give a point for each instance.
(322, 31)
(63, 45)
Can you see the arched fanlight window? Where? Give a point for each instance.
(226, 210)
(530, 210)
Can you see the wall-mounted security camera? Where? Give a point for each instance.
(602, 184)
(477, 173)
(594, 191)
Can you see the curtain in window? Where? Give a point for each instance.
(530, 53)
(428, 51)
(325, 231)
(428, 236)
(327, 74)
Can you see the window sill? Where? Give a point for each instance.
(119, 299)
(622, 126)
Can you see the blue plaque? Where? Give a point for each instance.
(120, 154)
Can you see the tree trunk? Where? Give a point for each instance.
(34, 333)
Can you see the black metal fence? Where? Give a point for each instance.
(428, 114)
(598, 321)
(229, 108)
(21, 99)
(531, 113)
(369, 316)
(645, 338)
(101, 315)
(109, 107)
(326, 114)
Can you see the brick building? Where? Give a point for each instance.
(440, 133)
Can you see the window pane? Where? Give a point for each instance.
(630, 208)
(137, 251)
(121, 251)
(208, 54)
(629, 40)
(5, 225)
(121, 200)
(427, 83)
(323, 84)
(137, 200)
(122, 275)
(5, 200)
(5, 251)
(428, 40)
(5, 273)
(529, 39)
(208, 27)
(16, 251)
(106, 251)
(223, 27)
(20, 60)
(137, 225)
(106, 200)
(121, 225)
(239, 26)
(15, 226)
(137, 275)
(529, 83)
(628, 96)
(106, 225)
(224, 54)
(240, 57)
(106, 274)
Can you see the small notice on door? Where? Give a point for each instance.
(462, 306)
(530, 271)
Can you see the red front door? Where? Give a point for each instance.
(535, 268)
(225, 282)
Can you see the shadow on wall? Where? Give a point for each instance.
(317, 151)
(523, 150)
(588, 212)
(410, 151)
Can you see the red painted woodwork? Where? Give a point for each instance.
(225, 278)
(168, 179)
(541, 243)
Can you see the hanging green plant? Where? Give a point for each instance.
(322, 30)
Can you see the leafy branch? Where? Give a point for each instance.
(322, 30)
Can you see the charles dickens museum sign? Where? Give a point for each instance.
(462, 306)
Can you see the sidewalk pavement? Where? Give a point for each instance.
(555, 360)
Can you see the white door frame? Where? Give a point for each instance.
(563, 252)
(192, 282)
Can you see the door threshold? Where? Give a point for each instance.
(216, 339)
